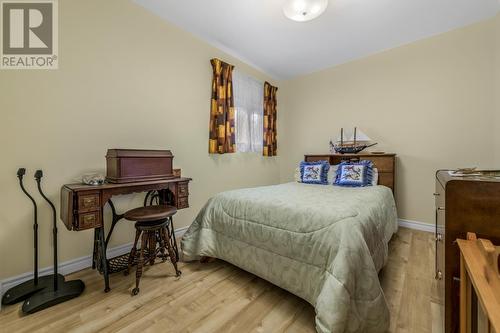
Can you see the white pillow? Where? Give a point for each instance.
(332, 173)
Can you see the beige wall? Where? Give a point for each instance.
(126, 79)
(431, 102)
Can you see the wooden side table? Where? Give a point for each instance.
(479, 285)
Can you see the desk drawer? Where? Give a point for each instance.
(183, 189)
(89, 220)
(88, 202)
(182, 202)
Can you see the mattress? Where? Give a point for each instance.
(322, 243)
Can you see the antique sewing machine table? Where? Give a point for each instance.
(82, 209)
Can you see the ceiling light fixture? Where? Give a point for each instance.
(304, 10)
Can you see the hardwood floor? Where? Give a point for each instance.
(409, 285)
(218, 297)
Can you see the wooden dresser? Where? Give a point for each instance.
(463, 204)
(385, 164)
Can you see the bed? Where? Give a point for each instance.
(322, 243)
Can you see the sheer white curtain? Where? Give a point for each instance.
(249, 106)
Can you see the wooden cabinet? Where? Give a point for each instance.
(463, 204)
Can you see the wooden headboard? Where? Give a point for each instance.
(385, 164)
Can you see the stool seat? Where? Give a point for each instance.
(151, 225)
(150, 213)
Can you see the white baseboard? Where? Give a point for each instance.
(416, 225)
(73, 265)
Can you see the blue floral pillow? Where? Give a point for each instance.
(355, 174)
(314, 172)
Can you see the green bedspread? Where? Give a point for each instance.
(322, 243)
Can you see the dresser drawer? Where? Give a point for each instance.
(89, 220)
(182, 202)
(383, 164)
(315, 158)
(386, 179)
(88, 202)
(183, 189)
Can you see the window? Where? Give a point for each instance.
(249, 109)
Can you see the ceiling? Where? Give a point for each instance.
(257, 32)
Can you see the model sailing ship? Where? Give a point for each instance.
(352, 143)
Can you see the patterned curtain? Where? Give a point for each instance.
(270, 102)
(222, 135)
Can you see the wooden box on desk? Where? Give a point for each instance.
(133, 165)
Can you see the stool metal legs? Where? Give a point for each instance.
(171, 230)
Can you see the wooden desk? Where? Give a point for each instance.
(82, 208)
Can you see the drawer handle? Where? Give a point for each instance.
(436, 194)
(439, 237)
(441, 208)
(89, 218)
(88, 201)
(439, 275)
